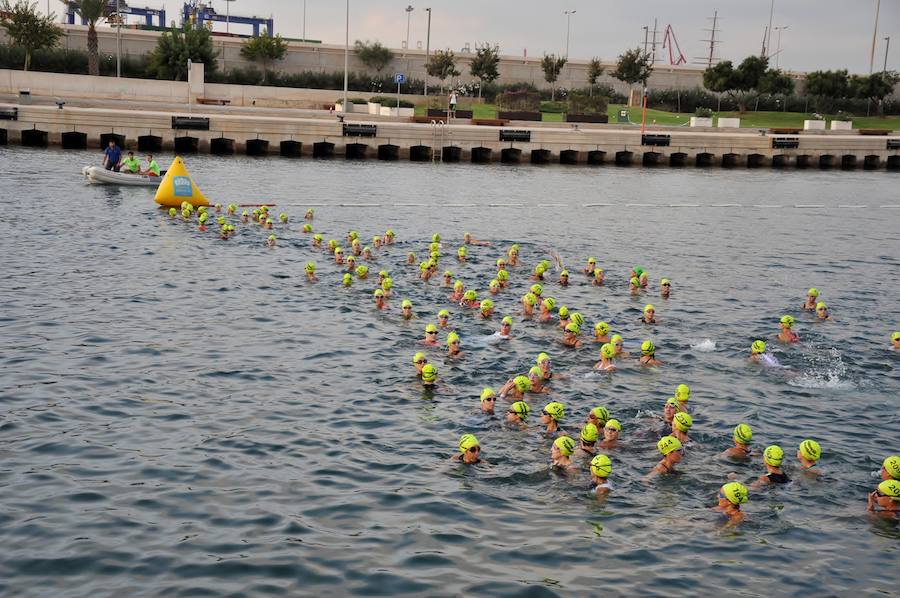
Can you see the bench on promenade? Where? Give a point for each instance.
(874, 131)
(426, 120)
(783, 131)
(490, 122)
(213, 101)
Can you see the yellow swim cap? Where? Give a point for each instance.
(501, 262)
(461, 251)
(577, 318)
(608, 351)
(452, 338)
(537, 372)
(537, 289)
(502, 275)
(665, 281)
(683, 392)
(895, 336)
(362, 271)
(890, 488)
(601, 466)
(419, 357)
(892, 466)
(592, 260)
(487, 393)
(634, 281)
(318, 237)
(521, 409)
(555, 409)
(758, 347)
(649, 307)
(601, 327)
(672, 401)
(683, 421)
(589, 433)
(406, 303)
(563, 312)
(573, 328)
(821, 305)
(522, 383)
(487, 304)
(616, 338)
(648, 348)
(470, 295)
(172, 211)
(613, 424)
(507, 320)
(668, 444)
(378, 293)
(467, 441)
(565, 445)
(387, 283)
(549, 303)
(457, 284)
(435, 238)
(735, 492)
(601, 413)
(444, 313)
(310, 267)
(529, 299)
(338, 251)
(788, 321)
(743, 434)
(564, 274)
(494, 283)
(813, 292)
(773, 455)
(810, 450)
(348, 280)
(429, 373)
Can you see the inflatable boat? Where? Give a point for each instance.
(97, 175)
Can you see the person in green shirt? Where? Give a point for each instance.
(152, 167)
(131, 165)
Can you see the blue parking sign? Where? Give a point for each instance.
(399, 78)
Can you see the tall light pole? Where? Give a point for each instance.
(427, 49)
(887, 45)
(568, 14)
(118, 41)
(304, 20)
(778, 51)
(346, 54)
(768, 51)
(228, 15)
(409, 10)
(874, 35)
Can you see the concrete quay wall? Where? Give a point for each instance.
(537, 143)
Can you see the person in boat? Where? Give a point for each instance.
(152, 167)
(130, 165)
(112, 156)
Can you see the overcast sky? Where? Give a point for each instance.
(820, 34)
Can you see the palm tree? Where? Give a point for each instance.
(92, 11)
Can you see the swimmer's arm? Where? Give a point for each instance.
(870, 502)
(735, 519)
(456, 458)
(759, 482)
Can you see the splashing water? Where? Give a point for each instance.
(707, 345)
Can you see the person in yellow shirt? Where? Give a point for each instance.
(152, 167)
(131, 165)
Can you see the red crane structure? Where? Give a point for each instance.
(671, 43)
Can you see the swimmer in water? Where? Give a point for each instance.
(382, 275)
(757, 350)
(611, 434)
(419, 360)
(388, 237)
(536, 375)
(618, 345)
(271, 240)
(317, 241)
(501, 264)
(648, 354)
(588, 437)
(885, 499)
(515, 388)
(563, 314)
(338, 255)
(537, 290)
(547, 306)
(665, 286)
(488, 399)
(772, 458)
(570, 336)
(461, 254)
(458, 292)
(429, 376)
(634, 285)
(562, 449)
(494, 286)
(470, 300)
(448, 279)
(380, 303)
(431, 335)
(443, 318)
(347, 280)
(311, 272)
(350, 262)
(636, 271)
(644, 280)
(517, 414)
(787, 335)
(682, 395)
(538, 272)
(598, 277)
(528, 302)
(362, 272)
(386, 285)
(649, 316)
(543, 362)
(376, 241)
(505, 328)
(468, 240)
(598, 416)
(812, 296)
(551, 415)
(410, 258)
(453, 345)
(601, 469)
(895, 340)
(589, 268)
(577, 319)
(268, 224)
(681, 425)
(202, 221)
(309, 214)
(564, 278)
(670, 408)
(809, 454)
(367, 253)
(245, 218)
(406, 309)
(469, 451)
(890, 468)
(731, 496)
(503, 278)
(607, 352)
(672, 452)
(822, 312)
(487, 309)
(742, 436)
(601, 333)
(512, 256)
(282, 218)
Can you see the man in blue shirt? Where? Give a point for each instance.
(112, 156)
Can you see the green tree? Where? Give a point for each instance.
(28, 29)
(264, 49)
(373, 55)
(746, 81)
(595, 71)
(776, 82)
(825, 87)
(874, 87)
(92, 11)
(719, 78)
(442, 64)
(484, 65)
(633, 66)
(552, 66)
(173, 49)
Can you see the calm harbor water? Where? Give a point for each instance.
(186, 416)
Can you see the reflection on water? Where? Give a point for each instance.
(185, 415)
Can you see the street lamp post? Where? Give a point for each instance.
(887, 45)
(568, 14)
(228, 15)
(427, 49)
(346, 54)
(874, 34)
(768, 39)
(304, 20)
(409, 10)
(778, 51)
(118, 41)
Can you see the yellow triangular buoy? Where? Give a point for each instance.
(178, 186)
